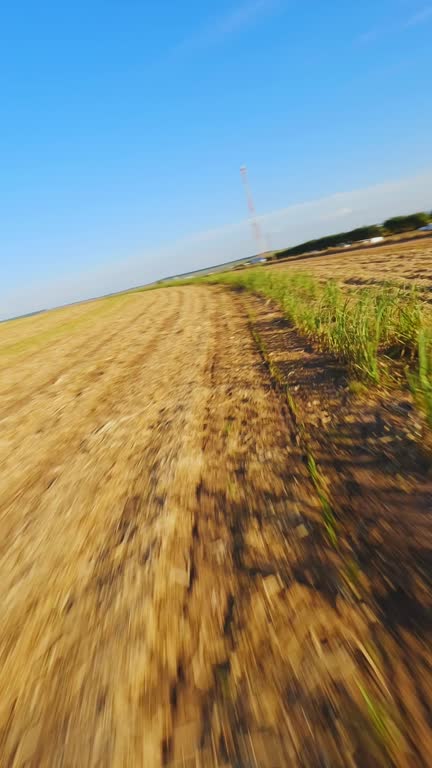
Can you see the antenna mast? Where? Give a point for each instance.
(256, 229)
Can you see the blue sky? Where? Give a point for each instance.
(123, 124)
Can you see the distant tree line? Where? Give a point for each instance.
(406, 223)
(393, 226)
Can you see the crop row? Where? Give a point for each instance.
(380, 333)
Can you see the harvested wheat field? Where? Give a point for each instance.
(215, 550)
(409, 262)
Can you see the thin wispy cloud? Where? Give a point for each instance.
(374, 34)
(420, 18)
(223, 27)
(368, 37)
(338, 214)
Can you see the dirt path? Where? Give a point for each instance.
(169, 592)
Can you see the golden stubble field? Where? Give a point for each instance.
(170, 594)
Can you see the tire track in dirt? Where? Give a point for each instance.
(268, 640)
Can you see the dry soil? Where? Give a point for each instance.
(179, 585)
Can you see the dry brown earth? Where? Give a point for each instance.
(169, 591)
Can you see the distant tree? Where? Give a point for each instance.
(399, 224)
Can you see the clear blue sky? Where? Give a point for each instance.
(124, 123)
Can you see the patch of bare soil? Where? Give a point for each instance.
(172, 591)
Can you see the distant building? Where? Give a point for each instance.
(373, 240)
(427, 228)
(257, 260)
